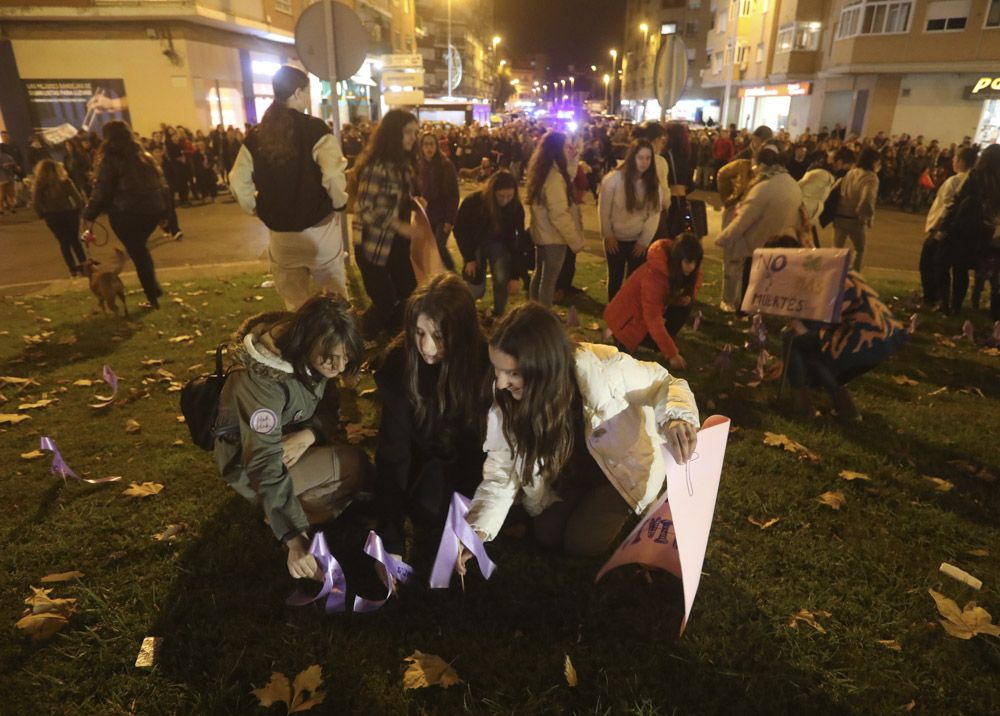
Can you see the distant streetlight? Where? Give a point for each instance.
(496, 41)
(607, 81)
(614, 64)
(503, 62)
(593, 68)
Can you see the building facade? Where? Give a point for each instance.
(921, 67)
(474, 57)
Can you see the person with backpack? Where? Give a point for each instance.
(273, 431)
(57, 200)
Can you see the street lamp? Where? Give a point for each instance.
(572, 88)
(607, 80)
(496, 41)
(614, 64)
(644, 29)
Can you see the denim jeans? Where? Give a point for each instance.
(497, 256)
(548, 263)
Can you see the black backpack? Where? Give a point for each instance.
(200, 403)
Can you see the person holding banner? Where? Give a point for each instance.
(430, 437)
(576, 432)
(656, 300)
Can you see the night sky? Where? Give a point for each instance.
(576, 32)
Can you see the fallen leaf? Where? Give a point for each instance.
(804, 615)
(164, 373)
(428, 670)
(13, 380)
(146, 489)
(33, 455)
(12, 418)
(37, 404)
(783, 441)
(939, 391)
(978, 552)
(890, 644)
(148, 652)
(180, 419)
(903, 380)
(278, 689)
(974, 470)
(62, 576)
(83, 383)
(834, 499)
(132, 426)
(150, 362)
(67, 341)
(570, 672)
(177, 443)
(940, 484)
(169, 533)
(181, 339)
(46, 616)
(968, 622)
(307, 682)
(851, 475)
(910, 706)
(763, 524)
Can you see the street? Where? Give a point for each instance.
(219, 234)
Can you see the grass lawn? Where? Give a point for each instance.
(215, 593)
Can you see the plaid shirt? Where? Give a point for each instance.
(383, 195)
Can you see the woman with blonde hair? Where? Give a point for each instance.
(58, 202)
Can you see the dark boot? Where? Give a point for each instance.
(843, 403)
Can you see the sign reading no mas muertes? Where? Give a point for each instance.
(61, 107)
(797, 283)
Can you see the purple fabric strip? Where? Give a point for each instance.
(457, 532)
(334, 587)
(914, 323)
(60, 468)
(111, 379)
(398, 569)
(696, 323)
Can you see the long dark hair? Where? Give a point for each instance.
(650, 182)
(987, 173)
(549, 152)
(275, 132)
(687, 247)
(123, 155)
(539, 426)
(439, 163)
(386, 142)
(500, 180)
(50, 184)
(322, 322)
(454, 399)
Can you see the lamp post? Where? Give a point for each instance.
(607, 80)
(572, 89)
(614, 77)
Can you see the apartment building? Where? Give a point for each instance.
(195, 63)
(646, 23)
(898, 66)
(474, 57)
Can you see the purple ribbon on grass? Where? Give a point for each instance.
(334, 587)
(457, 532)
(60, 468)
(111, 379)
(696, 323)
(392, 568)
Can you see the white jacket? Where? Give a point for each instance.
(624, 403)
(816, 186)
(555, 217)
(769, 209)
(617, 221)
(943, 199)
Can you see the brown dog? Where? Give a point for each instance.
(105, 283)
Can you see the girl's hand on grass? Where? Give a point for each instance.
(295, 444)
(682, 438)
(301, 564)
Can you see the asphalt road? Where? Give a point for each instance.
(220, 234)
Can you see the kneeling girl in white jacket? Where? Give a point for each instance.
(576, 431)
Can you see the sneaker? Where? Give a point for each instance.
(178, 235)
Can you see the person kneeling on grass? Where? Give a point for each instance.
(272, 445)
(576, 431)
(655, 302)
(828, 356)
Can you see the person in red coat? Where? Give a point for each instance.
(656, 300)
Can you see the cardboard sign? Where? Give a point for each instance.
(425, 257)
(675, 540)
(797, 283)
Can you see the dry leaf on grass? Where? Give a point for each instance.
(834, 499)
(978, 552)
(940, 484)
(974, 470)
(783, 441)
(14, 380)
(903, 380)
(83, 383)
(180, 339)
(150, 362)
(33, 455)
(169, 532)
(570, 671)
(146, 489)
(428, 670)
(12, 418)
(890, 644)
(804, 615)
(62, 576)
(44, 403)
(293, 695)
(46, 616)
(132, 426)
(965, 623)
(764, 524)
(851, 475)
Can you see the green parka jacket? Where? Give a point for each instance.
(257, 407)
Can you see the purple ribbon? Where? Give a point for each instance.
(572, 318)
(759, 331)
(111, 379)
(334, 583)
(696, 322)
(60, 468)
(458, 532)
(968, 332)
(721, 362)
(396, 568)
(914, 323)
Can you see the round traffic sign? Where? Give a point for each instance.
(671, 72)
(350, 40)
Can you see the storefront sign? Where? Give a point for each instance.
(985, 88)
(61, 107)
(406, 98)
(403, 78)
(399, 61)
(797, 283)
(794, 89)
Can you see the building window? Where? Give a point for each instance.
(875, 18)
(722, 17)
(760, 53)
(284, 6)
(690, 29)
(945, 15)
(742, 54)
(668, 28)
(716, 63)
(746, 8)
(802, 36)
(993, 14)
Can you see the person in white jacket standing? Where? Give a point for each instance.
(962, 163)
(576, 431)
(556, 223)
(629, 211)
(856, 208)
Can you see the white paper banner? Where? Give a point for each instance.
(797, 283)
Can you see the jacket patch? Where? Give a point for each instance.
(263, 420)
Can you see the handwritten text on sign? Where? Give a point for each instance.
(797, 283)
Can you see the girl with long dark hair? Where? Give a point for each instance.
(489, 230)
(656, 300)
(629, 212)
(386, 184)
(273, 430)
(438, 184)
(575, 430)
(130, 187)
(556, 223)
(56, 199)
(290, 171)
(429, 380)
